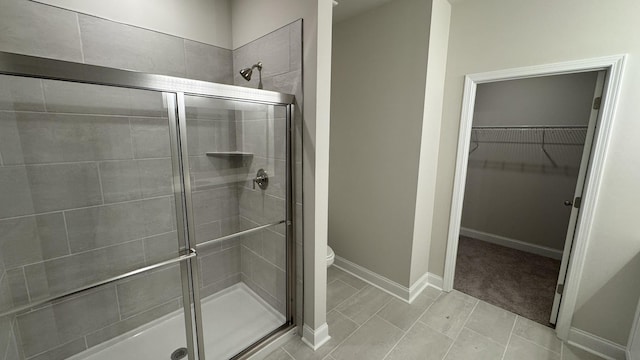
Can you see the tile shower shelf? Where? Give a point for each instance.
(228, 153)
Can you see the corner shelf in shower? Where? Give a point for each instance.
(228, 153)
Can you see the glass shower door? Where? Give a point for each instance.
(237, 157)
(87, 194)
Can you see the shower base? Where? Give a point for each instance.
(232, 319)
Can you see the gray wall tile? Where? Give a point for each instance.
(213, 171)
(64, 186)
(14, 190)
(63, 351)
(137, 49)
(261, 208)
(13, 353)
(272, 50)
(161, 247)
(100, 226)
(156, 177)
(251, 241)
(48, 327)
(64, 137)
(209, 63)
(219, 265)
(204, 108)
(121, 327)
(220, 285)
(120, 181)
(208, 231)
(208, 135)
(150, 137)
(295, 46)
(274, 248)
(69, 97)
(17, 286)
(35, 29)
(20, 94)
(214, 204)
(31, 239)
(143, 292)
(135, 179)
(5, 292)
(52, 277)
(6, 335)
(275, 303)
(268, 277)
(276, 170)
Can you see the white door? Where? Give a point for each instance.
(577, 197)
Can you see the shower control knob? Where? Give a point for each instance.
(262, 179)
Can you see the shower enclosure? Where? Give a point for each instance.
(141, 216)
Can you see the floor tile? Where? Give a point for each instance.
(279, 355)
(431, 292)
(337, 292)
(333, 273)
(371, 341)
(421, 342)
(471, 345)
(449, 313)
(521, 349)
(492, 322)
(340, 327)
(361, 306)
(570, 352)
(538, 334)
(402, 314)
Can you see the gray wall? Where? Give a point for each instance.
(512, 190)
(379, 64)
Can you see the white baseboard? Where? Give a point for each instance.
(418, 286)
(315, 338)
(435, 281)
(512, 243)
(406, 294)
(597, 345)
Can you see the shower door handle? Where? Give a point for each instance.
(568, 203)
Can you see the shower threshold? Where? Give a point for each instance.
(233, 319)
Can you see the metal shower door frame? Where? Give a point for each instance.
(174, 90)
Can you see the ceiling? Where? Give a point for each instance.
(348, 8)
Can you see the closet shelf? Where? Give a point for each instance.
(529, 135)
(228, 153)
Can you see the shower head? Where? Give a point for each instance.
(246, 73)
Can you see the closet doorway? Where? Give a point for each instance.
(530, 140)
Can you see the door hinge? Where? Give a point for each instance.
(560, 288)
(596, 103)
(576, 202)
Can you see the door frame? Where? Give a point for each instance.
(614, 66)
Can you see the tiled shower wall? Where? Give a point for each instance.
(57, 331)
(263, 253)
(121, 183)
(87, 172)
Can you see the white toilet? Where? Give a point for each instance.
(331, 256)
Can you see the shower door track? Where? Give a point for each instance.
(175, 89)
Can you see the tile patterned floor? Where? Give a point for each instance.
(367, 323)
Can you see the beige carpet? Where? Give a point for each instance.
(514, 280)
